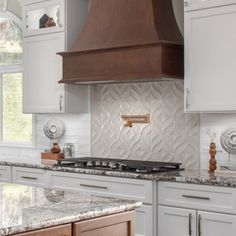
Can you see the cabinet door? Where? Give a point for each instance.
(176, 222)
(32, 13)
(144, 225)
(112, 225)
(216, 224)
(210, 56)
(42, 71)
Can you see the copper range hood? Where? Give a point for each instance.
(126, 41)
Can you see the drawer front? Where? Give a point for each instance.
(191, 5)
(62, 230)
(202, 197)
(5, 174)
(141, 190)
(30, 176)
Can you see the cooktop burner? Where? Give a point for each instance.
(120, 165)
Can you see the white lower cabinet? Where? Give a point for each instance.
(5, 174)
(185, 222)
(141, 190)
(186, 210)
(176, 221)
(144, 221)
(215, 224)
(31, 176)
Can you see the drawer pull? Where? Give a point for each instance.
(190, 224)
(30, 178)
(93, 186)
(199, 226)
(196, 197)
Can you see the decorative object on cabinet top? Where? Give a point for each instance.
(126, 41)
(54, 129)
(228, 140)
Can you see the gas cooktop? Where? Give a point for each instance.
(120, 165)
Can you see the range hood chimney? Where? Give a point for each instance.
(126, 41)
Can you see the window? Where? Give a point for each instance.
(15, 127)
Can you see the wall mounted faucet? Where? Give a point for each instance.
(131, 119)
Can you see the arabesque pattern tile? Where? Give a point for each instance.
(172, 135)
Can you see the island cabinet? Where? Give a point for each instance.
(210, 55)
(42, 66)
(61, 230)
(194, 210)
(112, 225)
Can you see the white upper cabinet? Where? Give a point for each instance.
(210, 57)
(34, 12)
(42, 66)
(40, 57)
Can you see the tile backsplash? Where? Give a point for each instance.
(171, 135)
(217, 123)
(77, 131)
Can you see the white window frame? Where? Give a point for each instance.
(8, 69)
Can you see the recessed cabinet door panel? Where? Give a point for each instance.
(210, 57)
(144, 221)
(216, 224)
(176, 222)
(43, 70)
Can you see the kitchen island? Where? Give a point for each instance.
(33, 211)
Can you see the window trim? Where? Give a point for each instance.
(14, 68)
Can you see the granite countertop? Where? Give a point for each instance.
(26, 208)
(187, 176)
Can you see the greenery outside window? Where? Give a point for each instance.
(16, 128)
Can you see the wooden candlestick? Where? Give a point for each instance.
(212, 162)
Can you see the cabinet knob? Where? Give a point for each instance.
(199, 225)
(186, 3)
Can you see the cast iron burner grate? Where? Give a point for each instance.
(120, 165)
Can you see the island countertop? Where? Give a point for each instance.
(26, 208)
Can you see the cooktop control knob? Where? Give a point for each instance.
(89, 164)
(104, 164)
(98, 163)
(112, 165)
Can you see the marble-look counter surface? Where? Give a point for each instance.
(26, 208)
(187, 176)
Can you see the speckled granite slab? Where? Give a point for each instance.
(188, 176)
(25, 208)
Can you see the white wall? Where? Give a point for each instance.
(14, 7)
